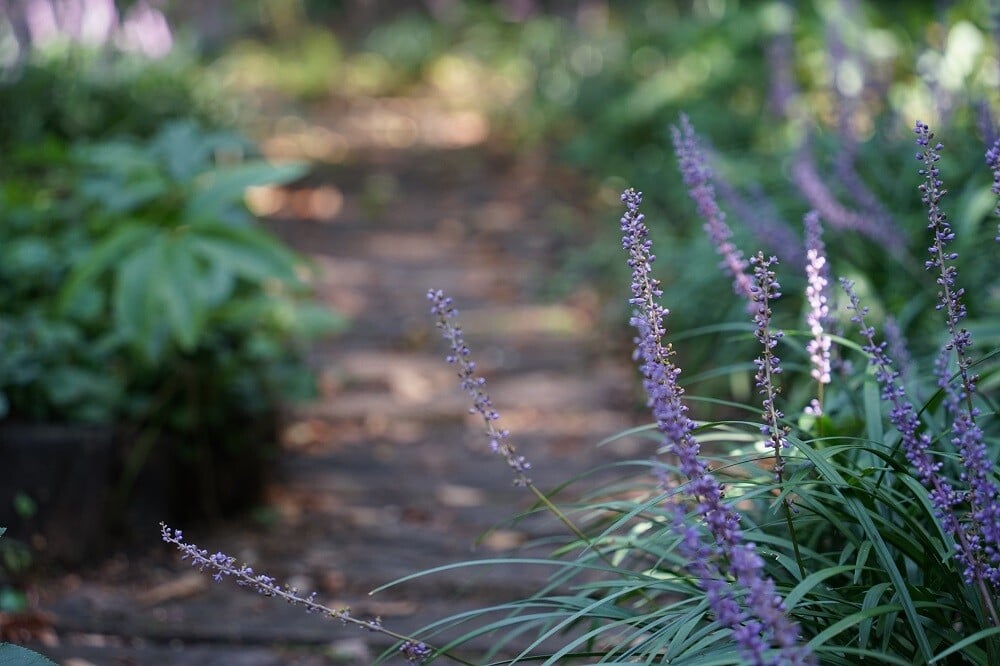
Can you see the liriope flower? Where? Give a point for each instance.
(993, 162)
(759, 622)
(443, 308)
(818, 315)
(967, 437)
(698, 179)
(766, 290)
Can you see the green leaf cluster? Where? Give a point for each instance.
(130, 264)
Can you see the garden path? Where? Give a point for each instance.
(386, 473)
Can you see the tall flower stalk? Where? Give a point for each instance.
(767, 290)
(945, 499)
(221, 566)
(499, 439)
(818, 315)
(967, 436)
(698, 179)
(760, 623)
(993, 162)
(443, 308)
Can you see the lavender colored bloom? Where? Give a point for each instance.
(984, 121)
(819, 196)
(415, 652)
(761, 622)
(931, 193)
(95, 23)
(993, 162)
(766, 290)
(698, 179)
(90, 22)
(941, 258)
(443, 308)
(842, 60)
(759, 216)
(818, 316)
(224, 566)
(967, 436)
(145, 30)
(780, 56)
(945, 499)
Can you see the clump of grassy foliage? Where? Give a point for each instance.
(852, 513)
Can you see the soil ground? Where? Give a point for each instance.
(386, 473)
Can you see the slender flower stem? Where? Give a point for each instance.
(698, 179)
(967, 436)
(766, 290)
(818, 316)
(761, 622)
(499, 439)
(224, 566)
(916, 446)
(993, 162)
(443, 308)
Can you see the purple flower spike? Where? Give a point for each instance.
(993, 162)
(766, 290)
(818, 317)
(760, 625)
(945, 499)
(967, 436)
(816, 191)
(698, 178)
(224, 566)
(415, 652)
(443, 308)
(759, 216)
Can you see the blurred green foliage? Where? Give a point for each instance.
(136, 289)
(127, 259)
(601, 83)
(75, 93)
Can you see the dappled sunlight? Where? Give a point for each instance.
(321, 204)
(559, 320)
(385, 123)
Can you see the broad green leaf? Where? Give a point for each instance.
(132, 289)
(312, 320)
(180, 148)
(221, 188)
(15, 655)
(118, 197)
(111, 252)
(177, 290)
(115, 157)
(245, 252)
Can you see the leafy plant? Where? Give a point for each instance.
(176, 248)
(132, 254)
(818, 537)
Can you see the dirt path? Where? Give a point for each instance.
(386, 474)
